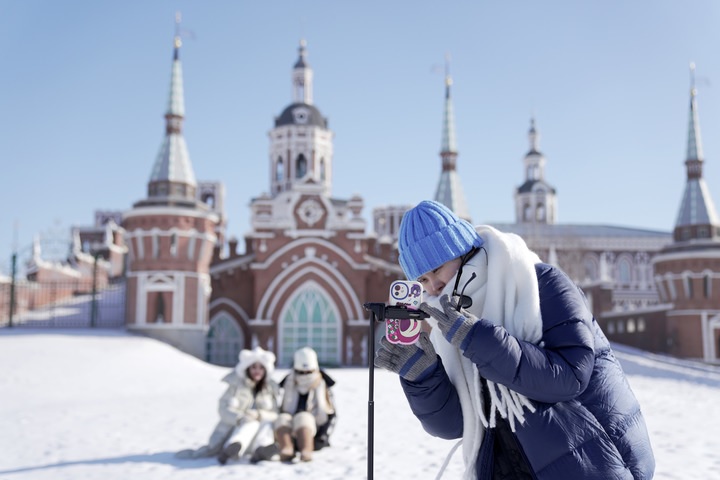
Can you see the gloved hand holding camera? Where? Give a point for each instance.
(454, 324)
(412, 362)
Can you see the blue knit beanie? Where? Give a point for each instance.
(430, 235)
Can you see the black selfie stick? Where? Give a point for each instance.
(380, 312)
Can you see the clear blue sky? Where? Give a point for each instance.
(84, 88)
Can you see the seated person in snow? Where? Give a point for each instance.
(248, 410)
(307, 413)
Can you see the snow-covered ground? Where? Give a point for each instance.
(109, 405)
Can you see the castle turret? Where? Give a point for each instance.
(449, 190)
(687, 272)
(170, 236)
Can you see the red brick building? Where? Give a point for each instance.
(309, 265)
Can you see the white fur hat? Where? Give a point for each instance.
(257, 354)
(305, 359)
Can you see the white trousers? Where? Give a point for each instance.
(252, 434)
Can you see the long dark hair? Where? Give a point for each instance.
(260, 384)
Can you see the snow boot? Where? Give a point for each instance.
(285, 442)
(306, 443)
(229, 452)
(268, 452)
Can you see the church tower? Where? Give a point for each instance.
(301, 143)
(687, 272)
(304, 274)
(170, 236)
(535, 199)
(449, 190)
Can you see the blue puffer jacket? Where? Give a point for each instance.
(587, 423)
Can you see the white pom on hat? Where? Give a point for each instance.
(256, 355)
(305, 359)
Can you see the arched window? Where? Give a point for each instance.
(279, 169)
(527, 212)
(591, 269)
(155, 246)
(624, 271)
(322, 169)
(310, 319)
(540, 213)
(671, 288)
(224, 341)
(173, 244)
(707, 285)
(300, 166)
(631, 325)
(209, 200)
(688, 284)
(532, 172)
(159, 308)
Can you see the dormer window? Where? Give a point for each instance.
(301, 115)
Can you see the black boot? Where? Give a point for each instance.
(229, 452)
(265, 453)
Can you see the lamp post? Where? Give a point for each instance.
(12, 289)
(93, 305)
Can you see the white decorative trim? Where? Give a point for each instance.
(175, 212)
(233, 306)
(359, 322)
(281, 283)
(685, 255)
(330, 246)
(260, 322)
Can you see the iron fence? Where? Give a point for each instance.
(78, 303)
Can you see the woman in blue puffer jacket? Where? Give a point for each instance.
(515, 363)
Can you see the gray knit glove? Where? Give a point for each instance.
(412, 362)
(454, 325)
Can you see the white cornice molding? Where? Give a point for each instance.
(666, 307)
(225, 265)
(694, 312)
(175, 273)
(174, 211)
(685, 255)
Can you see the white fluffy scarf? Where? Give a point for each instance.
(505, 293)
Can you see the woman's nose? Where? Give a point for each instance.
(436, 286)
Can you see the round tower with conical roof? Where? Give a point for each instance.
(170, 236)
(687, 272)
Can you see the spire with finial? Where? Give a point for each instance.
(302, 77)
(172, 174)
(448, 133)
(534, 137)
(449, 190)
(697, 218)
(694, 146)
